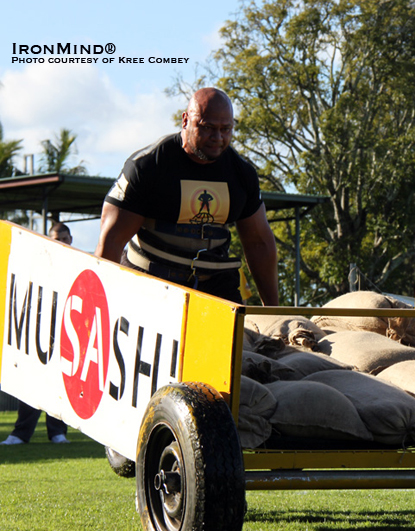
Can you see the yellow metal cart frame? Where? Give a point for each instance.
(293, 469)
(207, 342)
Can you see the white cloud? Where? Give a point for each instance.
(38, 100)
(213, 40)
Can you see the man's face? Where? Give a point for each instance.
(207, 133)
(63, 237)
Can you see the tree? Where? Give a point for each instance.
(55, 156)
(8, 150)
(325, 98)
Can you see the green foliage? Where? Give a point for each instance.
(55, 156)
(325, 99)
(7, 151)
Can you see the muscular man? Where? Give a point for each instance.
(158, 206)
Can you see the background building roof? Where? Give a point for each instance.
(53, 194)
(83, 194)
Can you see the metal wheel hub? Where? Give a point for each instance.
(168, 482)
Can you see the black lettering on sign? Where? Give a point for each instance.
(137, 365)
(45, 356)
(121, 325)
(174, 352)
(140, 367)
(24, 314)
(145, 368)
(156, 364)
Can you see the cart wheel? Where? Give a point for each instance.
(123, 467)
(190, 472)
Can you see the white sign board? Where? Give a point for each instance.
(86, 340)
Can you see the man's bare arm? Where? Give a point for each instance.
(261, 254)
(118, 226)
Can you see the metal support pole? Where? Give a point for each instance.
(29, 168)
(45, 213)
(352, 277)
(297, 256)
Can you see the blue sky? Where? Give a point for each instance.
(113, 108)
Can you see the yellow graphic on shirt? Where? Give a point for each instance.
(204, 202)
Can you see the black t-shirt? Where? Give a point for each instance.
(161, 182)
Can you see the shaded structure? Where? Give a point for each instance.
(55, 193)
(301, 204)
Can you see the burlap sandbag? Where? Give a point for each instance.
(263, 369)
(281, 325)
(367, 351)
(304, 363)
(276, 349)
(402, 375)
(395, 328)
(287, 327)
(387, 411)
(269, 346)
(311, 409)
(403, 329)
(249, 339)
(256, 406)
(333, 329)
(259, 323)
(255, 340)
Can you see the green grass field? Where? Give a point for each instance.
(48, 487)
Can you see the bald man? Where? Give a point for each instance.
(174, 201)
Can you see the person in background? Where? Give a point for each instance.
(174, 201)
(27, 416)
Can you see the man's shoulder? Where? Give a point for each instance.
(165, 143)
(242, 162)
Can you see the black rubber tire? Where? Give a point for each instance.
(188, 432)
(123, 467)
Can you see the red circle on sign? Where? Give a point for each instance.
(85, 344)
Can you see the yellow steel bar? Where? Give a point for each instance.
(183, 336)
(350, 312)
(318, 459)
(5, 245)
(237, 362)
(208, 353)
(330, 479)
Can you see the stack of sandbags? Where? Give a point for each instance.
(264, 370)
(293, 366)
(317, 381)
(367, 351)
(256, 406)
(257, 410)
(315, 410)
(387, 411)
(269, 333)
(398, 328)
(304, 363)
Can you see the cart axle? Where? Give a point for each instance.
(329, 479)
